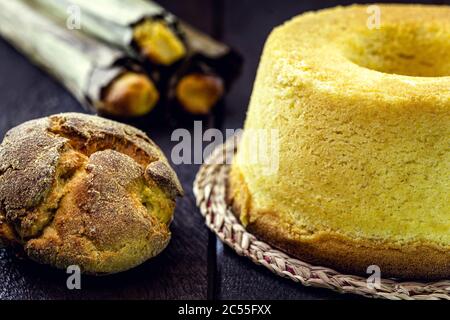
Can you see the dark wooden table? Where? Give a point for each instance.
(195, 265)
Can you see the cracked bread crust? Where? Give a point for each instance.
(79, 189)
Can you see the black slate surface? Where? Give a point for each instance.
(195, 265)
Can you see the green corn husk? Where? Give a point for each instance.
(206, 74)
(208, 55)
(84, 66)
(211, 68)
(116, 22)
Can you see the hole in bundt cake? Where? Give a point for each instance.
(406, 49)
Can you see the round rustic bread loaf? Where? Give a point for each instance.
(82, 190)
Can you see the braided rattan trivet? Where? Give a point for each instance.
(210, 190)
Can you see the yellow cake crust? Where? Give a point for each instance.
(337, 251)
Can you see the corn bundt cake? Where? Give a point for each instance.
(362, 116)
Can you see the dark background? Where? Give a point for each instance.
(195, 265)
